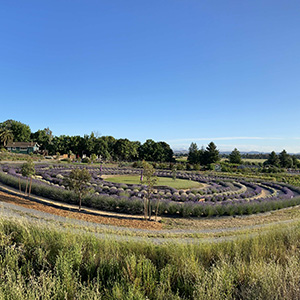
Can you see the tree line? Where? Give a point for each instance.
(203, 156)
(282, 160)
(211, 155)
(108, 147)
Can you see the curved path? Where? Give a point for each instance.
(208, 230)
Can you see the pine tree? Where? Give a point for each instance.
(193, 153)
(235, 157)
(211, 154)
(285, 160)
(272, 160)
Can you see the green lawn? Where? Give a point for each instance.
(177, 184)
(182, 159)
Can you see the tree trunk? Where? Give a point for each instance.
(79, 202)
(149, 209)
(30, 187)
(26, 187)
(145, 207)
(157, 205)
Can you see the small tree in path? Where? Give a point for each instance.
(78, 181)
(150, 180)
(28, 171)
(174, 172)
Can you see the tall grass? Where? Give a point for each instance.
(44, 263)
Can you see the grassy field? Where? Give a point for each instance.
(39, 262)
(251, 160)
(182, 159)
(177, 184)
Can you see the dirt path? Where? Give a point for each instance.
(109, 220)
(188, 230)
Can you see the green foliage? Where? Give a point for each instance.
(285, 160)
(174, 172)
(39, 262)
(150, 180)
(93, 158)
(68, 160)
(235, 157)
(152, 151)
(126, 150)
(6, 135)
(211, 154)
(86, 160)
(77, 181)
(193, 156)
(28, 169)
(272, 160)
(43, 138)
(203, 157)
(20, 132)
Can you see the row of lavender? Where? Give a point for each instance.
(285, 196)
(219, 190)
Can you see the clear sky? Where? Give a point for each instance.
(179, 71)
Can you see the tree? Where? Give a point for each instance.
(174, 172)
(78, 181)
(201, 156)
(296, 162)
(93, 157)
(147, 150)
(150, 180)
(20, 131)
(123, 150)
(163, 152)
(6, 135)
(43, 138)
(235, 157)
(152, 151)
(28, 170)
(101, 148)
(211, 154)
(285, 160)
(193, 156)
(110, 141)
(272, 160)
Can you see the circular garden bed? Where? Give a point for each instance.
(191, 194)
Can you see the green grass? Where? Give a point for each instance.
(182, 159)
(177, 184)
(39, 262)
(251, 160)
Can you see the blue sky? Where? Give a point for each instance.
(171, 70)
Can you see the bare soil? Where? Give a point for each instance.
(116, 221)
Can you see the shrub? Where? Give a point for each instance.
(86, 160)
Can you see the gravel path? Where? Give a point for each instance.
(21, 214)
(17, 212)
